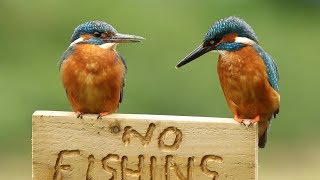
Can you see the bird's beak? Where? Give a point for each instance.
(123, 38)
(199, 51)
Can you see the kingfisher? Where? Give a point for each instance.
(248, 75)
(92, 71)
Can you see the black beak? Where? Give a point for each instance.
(123, 38)
(199, 51)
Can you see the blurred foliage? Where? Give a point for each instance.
(35, 33)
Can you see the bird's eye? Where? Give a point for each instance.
(97, 34)
(216, 39)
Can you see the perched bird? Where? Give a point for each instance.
(92, 71)
(248, 75)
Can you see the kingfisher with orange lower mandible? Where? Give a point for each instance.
(248, 75)
(92, 71)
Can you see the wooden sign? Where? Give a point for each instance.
(136, 146)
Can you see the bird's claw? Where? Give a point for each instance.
(239, 120)
(102, 114)
(243, 124)
(79, 114)
(254, 120)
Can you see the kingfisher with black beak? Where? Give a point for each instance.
(92, 71)
(248, 75)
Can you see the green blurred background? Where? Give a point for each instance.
(35, 33)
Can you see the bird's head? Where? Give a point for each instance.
(102, 34)
(228, 34)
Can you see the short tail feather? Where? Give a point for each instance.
(263, 138)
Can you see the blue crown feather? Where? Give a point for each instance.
(91, 27)
(230, 25)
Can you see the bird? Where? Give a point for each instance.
(92, 71)
(248, 76)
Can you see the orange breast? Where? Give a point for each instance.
(244, 81)
(93, 79)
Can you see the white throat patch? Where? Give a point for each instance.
(221, 52)
(103, 46)
(111, 46)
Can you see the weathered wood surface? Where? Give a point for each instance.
(136, 146)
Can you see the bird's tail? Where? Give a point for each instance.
(264, 126)
(263, 132)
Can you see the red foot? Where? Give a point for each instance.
(102, 114)
(236, 118)
(254, 120)
(79, 114)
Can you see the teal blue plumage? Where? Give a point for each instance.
(230, 25)
(272, 70)
(92, 27)
(248, 75)
(236, 25)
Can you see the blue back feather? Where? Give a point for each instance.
(272, 70)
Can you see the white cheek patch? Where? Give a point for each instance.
(244, 40)
(76, 41)
(108, 46)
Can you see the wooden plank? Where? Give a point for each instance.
(136, 146)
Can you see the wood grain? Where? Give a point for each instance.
(138, 146)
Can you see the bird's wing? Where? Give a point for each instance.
(124, 76)
(272, 70)
(65, 55)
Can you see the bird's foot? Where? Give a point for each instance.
(103, 114)
(254, 120)
(239, 120)
(79, 114)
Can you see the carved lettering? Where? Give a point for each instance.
(162, 137)
(153, 161)
(172, 166)
(204, 165)
(90, 167)
(129, 172)
(129, 132)
(106, 167)
(165, 165)
(61, 168)
(190, 168)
